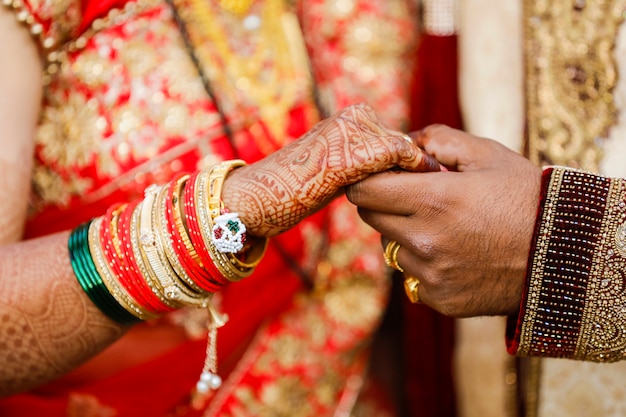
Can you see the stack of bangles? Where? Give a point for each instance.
(174, 248)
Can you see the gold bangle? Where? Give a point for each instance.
(115, 240)
(178, 284)
(205, 220)
(254, 253)
(152, 249)
(179, 220)
(168, 247)
(140, 257)
(217, 175)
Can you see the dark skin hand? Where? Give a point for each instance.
(465, 232)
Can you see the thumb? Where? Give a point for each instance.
(455, 149)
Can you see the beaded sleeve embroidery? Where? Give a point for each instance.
(575, 304)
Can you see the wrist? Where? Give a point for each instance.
(236, 200)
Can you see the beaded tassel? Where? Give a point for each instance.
(209, 379)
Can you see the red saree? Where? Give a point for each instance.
(124, 108)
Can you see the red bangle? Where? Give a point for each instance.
(109, 234)
(195, 235)
(109, 241)
(185, 251)
(135, 276)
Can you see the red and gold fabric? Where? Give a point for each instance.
(124, 107)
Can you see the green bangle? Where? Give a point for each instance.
(90, 280)
(112, 308)
(81, 271)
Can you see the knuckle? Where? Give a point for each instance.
(357, 111)
(428, 246)
(435, 129)
(362, 107)
(429, 249)
(402, 149)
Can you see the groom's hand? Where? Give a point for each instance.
(465, 233)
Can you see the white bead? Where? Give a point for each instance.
(252, 22)
(202, 387)
(48, 43)
(36, 29)
(208, 380)
(215, 382)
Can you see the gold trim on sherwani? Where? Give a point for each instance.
(570, 77)
(575, 305)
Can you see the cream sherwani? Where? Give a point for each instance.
(496, 104)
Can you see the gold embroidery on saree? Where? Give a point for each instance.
(245, 57)
(50, 22)
(369, 50)
(128, 132)
(299, 365)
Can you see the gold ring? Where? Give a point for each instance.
(391, 255)
(412, 288)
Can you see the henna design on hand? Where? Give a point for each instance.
(277, 192)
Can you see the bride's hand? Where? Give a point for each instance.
(277, 192)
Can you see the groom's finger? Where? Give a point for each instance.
(457, 150)
(400, 193)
